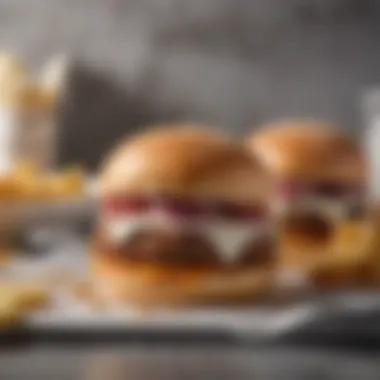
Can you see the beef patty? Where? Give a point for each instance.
(187, 250)
(308, 228)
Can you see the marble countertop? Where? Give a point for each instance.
(140, 362)
(144, 358)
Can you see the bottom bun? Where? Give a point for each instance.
(345, 261)
(358, 276)
(118, 282)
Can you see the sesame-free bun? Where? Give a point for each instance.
(186, 161)
(149, 285)
(310, 244)
(308, 149)
(192, 162)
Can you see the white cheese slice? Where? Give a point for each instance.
(229, 238)
(121, 229)
(334, 210)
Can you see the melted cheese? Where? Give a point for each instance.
(334, 210)
(120, 229)
(229, 238)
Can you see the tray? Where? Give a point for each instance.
(326, 318)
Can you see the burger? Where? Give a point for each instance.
(183, 220)
(318, 199)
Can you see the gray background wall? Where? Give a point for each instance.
(235, 63)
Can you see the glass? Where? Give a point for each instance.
(28, 110)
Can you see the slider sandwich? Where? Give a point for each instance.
(320, 201)
(182, 220)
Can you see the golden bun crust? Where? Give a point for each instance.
(117, 282)
(308, 149)
(183, 160)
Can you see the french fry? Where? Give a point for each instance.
(353, 240)
(68, 184)
(17, 301)
(27, 179)
(10, 317)
(25, 298)
(349, 261)
(9, 190)
(54, 187)
(74, 180)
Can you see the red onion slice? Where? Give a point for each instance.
(183, 209)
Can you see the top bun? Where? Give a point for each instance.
(308, 149)
(186, 161)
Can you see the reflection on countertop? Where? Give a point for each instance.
(177, 362)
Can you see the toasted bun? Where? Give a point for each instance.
(191, 161)
(150, 285)
(308, 149)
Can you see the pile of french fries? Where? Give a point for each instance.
(29, 184)
(27, 180)
(17, 301)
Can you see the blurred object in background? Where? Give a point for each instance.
(29, 138)
(14, 89)
(53, 77)
(371, 143)
(41, 146)
(231, 63)
(371, 137)
(28, 125)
